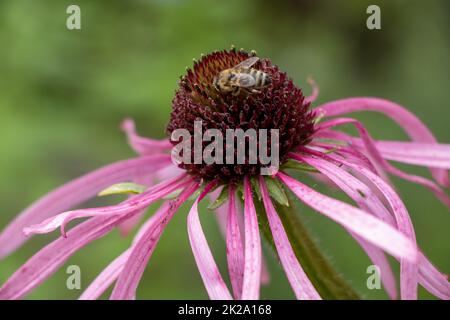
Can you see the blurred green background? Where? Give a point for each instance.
(63, 94)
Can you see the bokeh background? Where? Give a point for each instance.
(64, 93)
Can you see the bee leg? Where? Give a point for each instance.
(236, 91)
(255, 91)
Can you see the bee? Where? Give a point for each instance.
(242, 78)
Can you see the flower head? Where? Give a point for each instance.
(358, 165)
(281, 105)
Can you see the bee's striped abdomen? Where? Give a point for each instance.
(261, 78)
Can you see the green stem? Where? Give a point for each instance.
(327, 281)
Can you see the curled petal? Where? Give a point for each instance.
(49, 259)
(409, 273)
(359, 222)
(215, 286)
(372, 150)
(110, 274)
(141, 145)
(253, 255)
(355, 189)
(235, 250)
(429, 277)
(142, 250)
(74, 193)
(134, 204)
(303, 288)
(404, 118)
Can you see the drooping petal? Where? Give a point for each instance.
(141, 145)
(429, 277)
(380, 260)
(142, 250)
(422, 154)
(408, 272)
(110, 274)
(221, 215)
(435, 155)
(74, 193)
(361, 223)
(303, 288)
(434, 281)
(366, 200)
(49, 259)
(372, 150)
(214, 284)
(235, 250)
(135, 203)
(253, 255)
(404, 118)
(369, 202)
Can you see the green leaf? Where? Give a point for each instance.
(293, 164)
(123, 188)
(223, 196)
(276, 191)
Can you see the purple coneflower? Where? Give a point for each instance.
(308, 141)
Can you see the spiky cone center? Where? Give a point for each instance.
(281, 105)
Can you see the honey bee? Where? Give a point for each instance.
(242, 78)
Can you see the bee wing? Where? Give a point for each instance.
(247, 63)
(245, 80)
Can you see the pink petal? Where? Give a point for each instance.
(361, 223)
(371, 149)
(235, 250)
(408, 121)
(135, 203)
(422, 154)
(380, 260)
(52, 257)
(303, 288)
(142, 250)
(370, 202)
(221, 215)
(429, 277)
(143, 145)
(434, 281)
(409, 272)
(214, 284)
(110, 274)
(74, 193)
(253, 255)
(434, 155)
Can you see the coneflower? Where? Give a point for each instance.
(307, 141)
